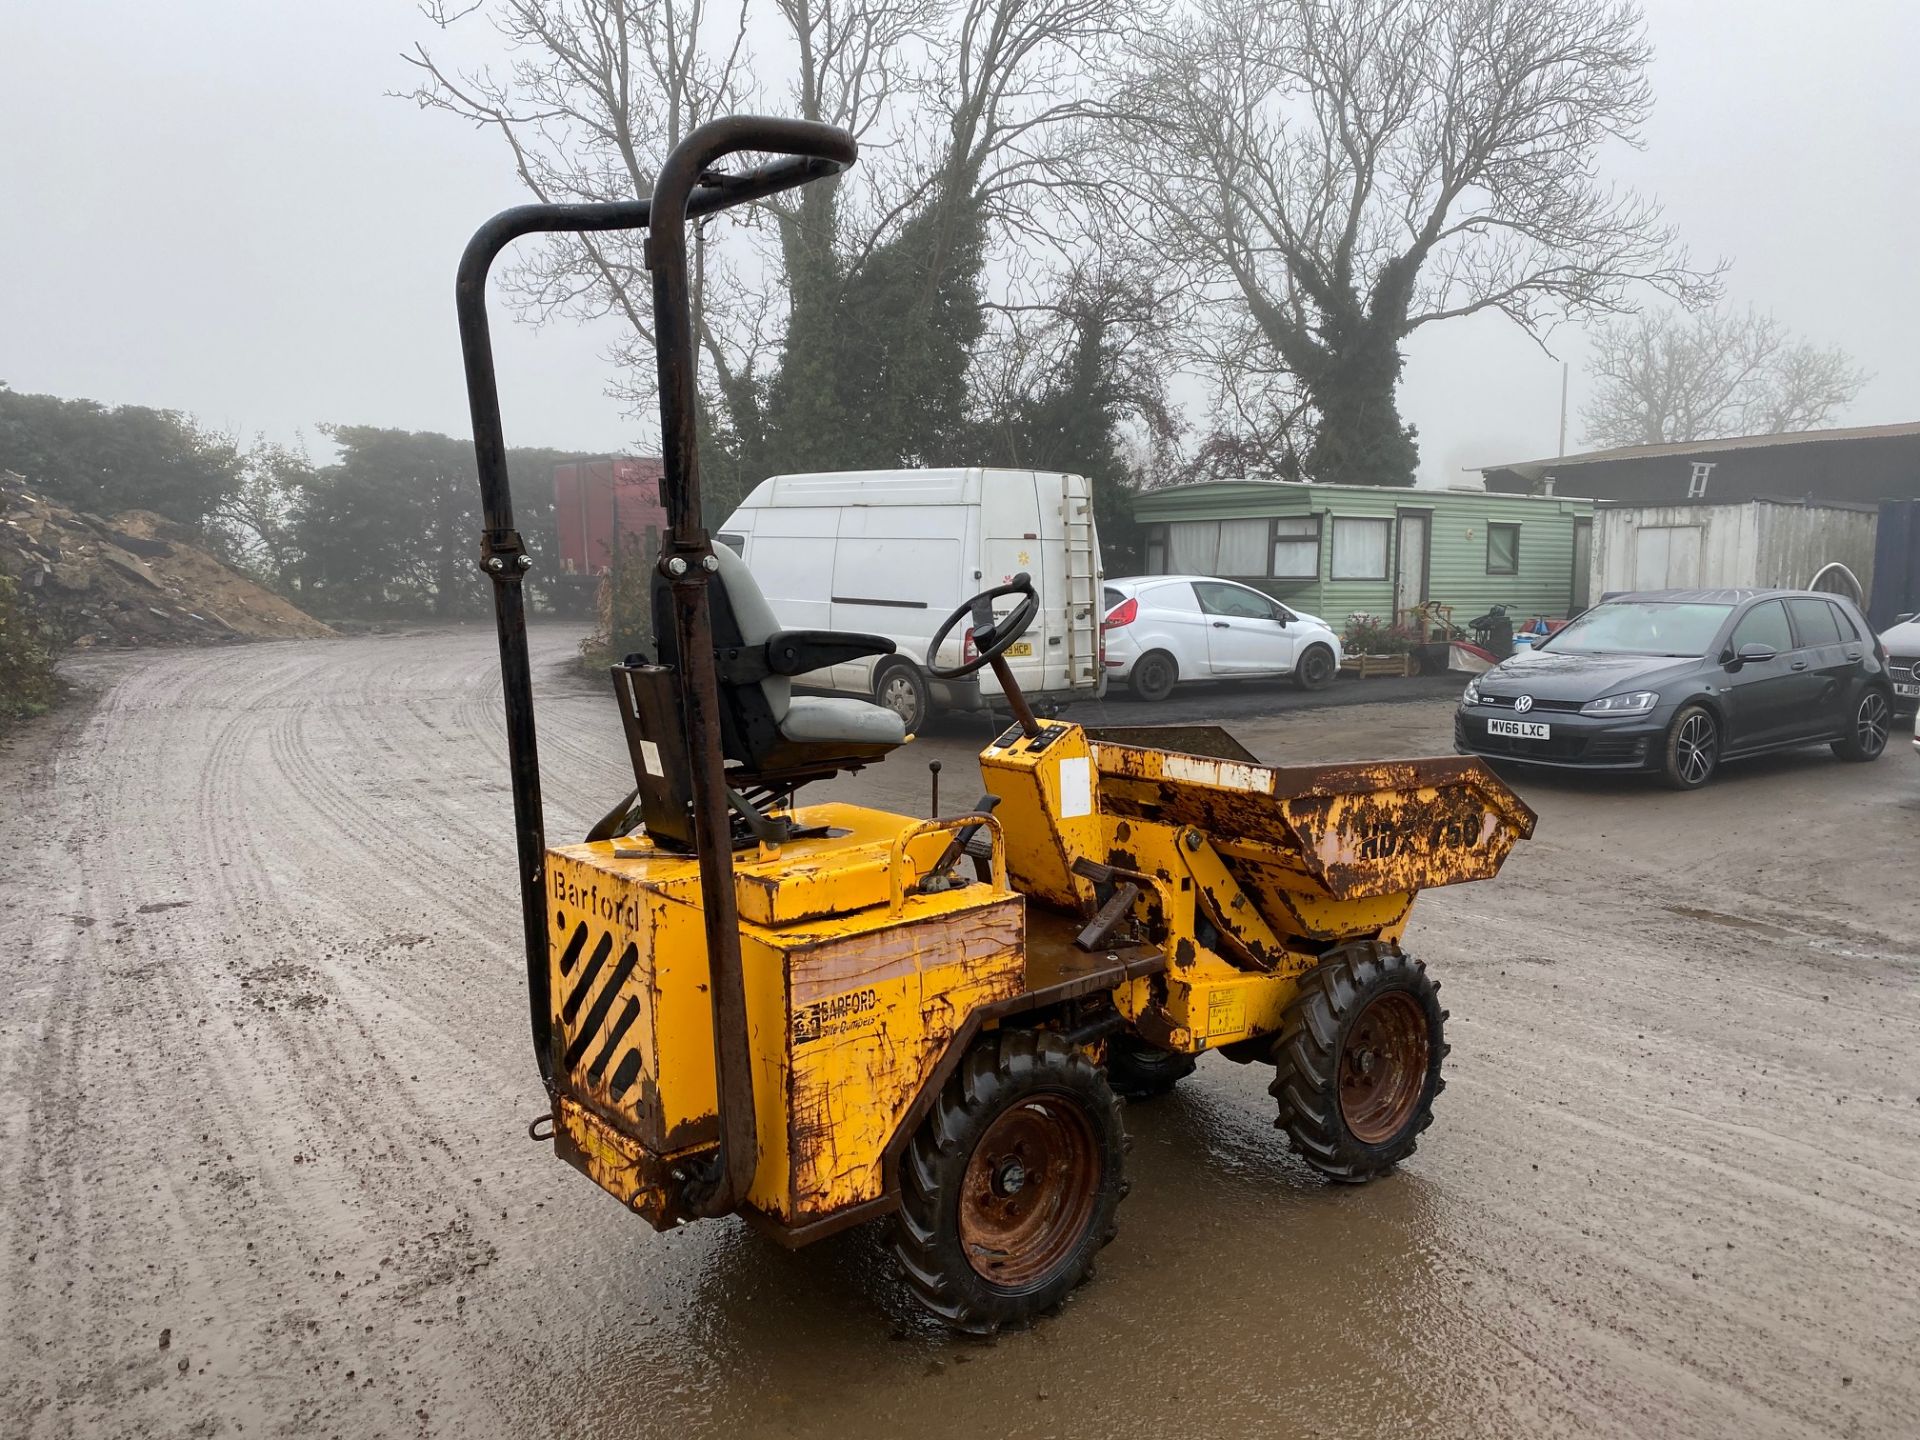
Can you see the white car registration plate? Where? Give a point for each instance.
(1521, 729)
(1899, 689)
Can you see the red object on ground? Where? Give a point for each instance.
(597, 499)
(1469, 658)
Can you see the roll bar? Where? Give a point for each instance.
(687, 185)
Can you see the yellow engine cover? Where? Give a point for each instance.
(854, 987)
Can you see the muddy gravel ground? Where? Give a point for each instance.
(265, 1080)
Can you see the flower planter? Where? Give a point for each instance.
(1369, 666)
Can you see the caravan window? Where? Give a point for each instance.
(1156, 558)
(1359, 549)
(1503, 549)
(1296, 547)
(1217, 547)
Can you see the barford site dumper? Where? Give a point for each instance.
(819, 1014)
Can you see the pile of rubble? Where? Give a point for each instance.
(137, 579)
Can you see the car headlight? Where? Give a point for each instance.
(1636, 703)
(1472, 697)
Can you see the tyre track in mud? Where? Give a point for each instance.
(1673, 1187)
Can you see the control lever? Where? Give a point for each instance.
(940, 877)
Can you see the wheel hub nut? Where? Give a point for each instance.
(1010, 1178)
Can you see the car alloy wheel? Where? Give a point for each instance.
(1871, 723)
(1696, 747)
(902, 691)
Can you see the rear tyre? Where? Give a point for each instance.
(1692, 749)
(1010, 1186)
(1315, 670)
(1139, 1071)
(1871, 722)
(1357, 1062)
(903, 689)
(1153, 676)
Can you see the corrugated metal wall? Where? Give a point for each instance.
(1653, 547)
(1718, 541)
(1796, 540)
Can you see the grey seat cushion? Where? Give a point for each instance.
(818, 720)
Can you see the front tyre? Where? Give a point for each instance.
(1316, 668)
(1871, 722)
(1357, 1062)
(1692, 749)
(1010, 1186)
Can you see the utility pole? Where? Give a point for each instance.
(1563, 409)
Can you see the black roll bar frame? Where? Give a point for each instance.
(687, 186)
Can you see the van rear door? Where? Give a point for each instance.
(1042, 523)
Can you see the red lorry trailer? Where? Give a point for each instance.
(595, 501)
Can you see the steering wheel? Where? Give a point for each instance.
(991, 638)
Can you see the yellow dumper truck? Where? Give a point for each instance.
(818, 1014)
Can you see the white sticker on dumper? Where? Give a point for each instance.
(650, 757)
(1076, 787)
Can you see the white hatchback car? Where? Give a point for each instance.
(1162, 629)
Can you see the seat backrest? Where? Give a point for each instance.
(754, 620)
(750, 713)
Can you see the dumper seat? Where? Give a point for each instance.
(766, 730)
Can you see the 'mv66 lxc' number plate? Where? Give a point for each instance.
(1520, 729)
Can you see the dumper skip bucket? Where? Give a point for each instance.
(1342, 832)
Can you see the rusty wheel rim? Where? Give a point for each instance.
(1383, 1067)
(1029, 1192)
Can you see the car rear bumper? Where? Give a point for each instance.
(1577, 742)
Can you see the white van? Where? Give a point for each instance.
(894, 552)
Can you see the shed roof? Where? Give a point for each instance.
(1535, 469)
(1801, 502)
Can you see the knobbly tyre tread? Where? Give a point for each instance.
(1306, 1060)
(1000, 1069)
(1138, 1071)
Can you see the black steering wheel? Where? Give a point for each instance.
(991, 638)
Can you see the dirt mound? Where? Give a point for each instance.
(138, 579)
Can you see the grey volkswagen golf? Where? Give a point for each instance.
(1674, 682)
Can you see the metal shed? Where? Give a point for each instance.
(1784, 543)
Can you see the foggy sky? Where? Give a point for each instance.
(211, 206)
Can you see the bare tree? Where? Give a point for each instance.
(1338, 173)
(592, 97)
(1669, 377)
(958, 105)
